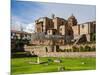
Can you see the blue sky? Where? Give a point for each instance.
(26, 12)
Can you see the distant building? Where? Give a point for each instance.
(19, 39)
(68, 28)
(20, 35)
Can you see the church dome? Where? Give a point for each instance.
(72, 17)
(72, 20)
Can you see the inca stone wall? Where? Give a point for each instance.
(52, 50)
(68, 54)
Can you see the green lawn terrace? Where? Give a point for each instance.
(26, 65)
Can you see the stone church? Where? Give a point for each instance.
(69, 29)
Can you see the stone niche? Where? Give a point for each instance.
(51, 48)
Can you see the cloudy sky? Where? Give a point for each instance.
(24, 13)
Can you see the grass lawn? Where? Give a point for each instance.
(22, 65)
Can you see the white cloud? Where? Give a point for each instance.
(30, 28)
(82, 13)
(16, 23)
(16, 26)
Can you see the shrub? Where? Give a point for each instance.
(81, 49)
(60, 50)
(50, 60)
(93, 48)
(67, 50)
(94, 37)
(87, 48)
(70, 50)
(75, 49)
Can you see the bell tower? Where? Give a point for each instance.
(72, 21)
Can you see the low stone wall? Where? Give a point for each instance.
(46, 51)
(67, 54)
(38, 49)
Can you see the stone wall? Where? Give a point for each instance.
(84, 28)
(76, 30)
(68, 54)
(41, 50)
(62, 30)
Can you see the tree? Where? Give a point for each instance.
(94, 37)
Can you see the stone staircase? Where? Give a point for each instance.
(78, 39)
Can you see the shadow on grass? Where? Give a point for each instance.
(21, 55)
